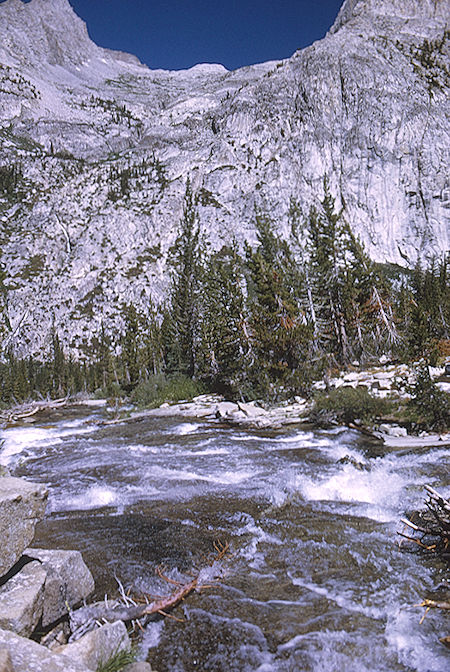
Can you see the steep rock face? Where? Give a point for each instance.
(105, 145)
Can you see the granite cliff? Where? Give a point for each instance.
(96, 149)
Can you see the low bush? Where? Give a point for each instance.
(429, 405)
(346, 404)
(159, 388)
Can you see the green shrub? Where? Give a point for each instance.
(120, 659)
(347, 404)
(159, 388)
(430, 405)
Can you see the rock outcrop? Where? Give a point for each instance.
(100, 148)
(22, 506)
(38, 587)
(22, 600)
(28, 656)
(97, 646)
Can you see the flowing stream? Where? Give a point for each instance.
(317, 582)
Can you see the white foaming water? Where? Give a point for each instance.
(140, 448)
(150, 639)
(209, 451)
(94, 497)
(186, 428)
(18, 439)
(379, 487)
(227, 477)
(411, 643)
(251, 551)
(341, 585)
(343, 600)
(331, 651)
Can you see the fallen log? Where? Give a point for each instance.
(127, 609)
(27, 410)
(81, 619)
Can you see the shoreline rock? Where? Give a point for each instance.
(22, 506)
(38, 588)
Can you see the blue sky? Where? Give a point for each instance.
(176, 34)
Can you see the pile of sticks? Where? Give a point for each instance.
(430, 530)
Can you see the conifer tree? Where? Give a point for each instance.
(347, 298)
(224, 345)
(181, 319)
(326, 270)
(279, 333)
(58, 381)
(151, 354)
(130, 346)
(5, 326)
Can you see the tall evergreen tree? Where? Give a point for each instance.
(181, 319)
(348, 302)
(224, 343)
(280, 335)
(5, 325)
(130, 346)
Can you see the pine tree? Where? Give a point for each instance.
(5, 325)
(348, 300)
(224, 345)
(181, 319)
(429, 315)
(130, 346)
(151, 353)
(280, 335)
(58, 365)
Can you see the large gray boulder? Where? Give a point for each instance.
(69, 581)
(28, 656)
(97, 646)
(22, 599)
(22, 506)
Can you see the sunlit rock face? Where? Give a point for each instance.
(102, 147)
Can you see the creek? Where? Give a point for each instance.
(316, 583)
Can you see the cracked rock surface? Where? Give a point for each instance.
(102, 147)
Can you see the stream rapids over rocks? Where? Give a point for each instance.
(317, 582)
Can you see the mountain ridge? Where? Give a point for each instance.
(106, 144)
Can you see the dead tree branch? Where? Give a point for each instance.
(128, 609)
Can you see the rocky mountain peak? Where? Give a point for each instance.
(391, 9)
(96, 150)
(45, 32)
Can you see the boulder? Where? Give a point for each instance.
(384, 375)
(226, 408)
(5, 661)
(393, 430)
(69, 581)
(352, 376)
(136, 667)
(22, 599)
(22, 506)
(97, 646)
(250, 410)
(28, 656)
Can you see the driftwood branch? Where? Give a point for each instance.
(27, 410)
(128, 609)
